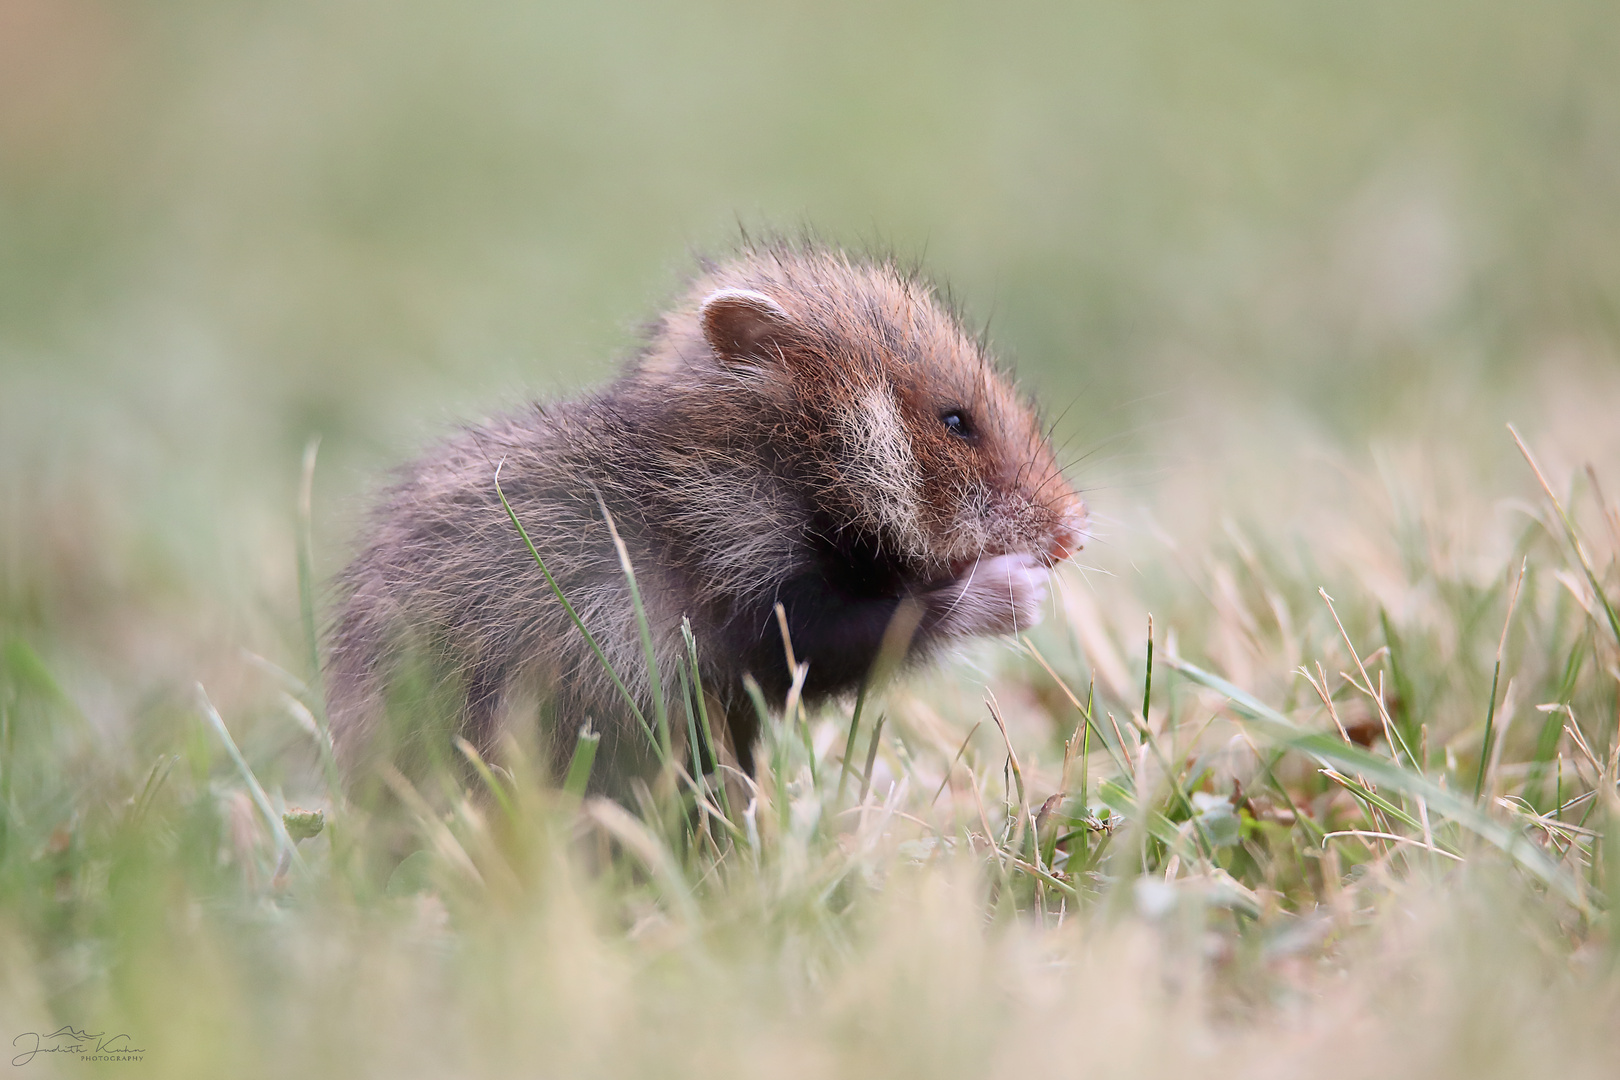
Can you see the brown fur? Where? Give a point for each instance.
(783, 435)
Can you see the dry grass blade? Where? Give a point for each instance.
(1366, 686)
(1571, 535)
(444, 841)
(1085, 712)
(640, 842)
(1012, 755)
(1368, 834)
(951, 768)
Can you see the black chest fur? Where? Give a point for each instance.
(837, 609)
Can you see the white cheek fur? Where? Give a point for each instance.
(882, 473)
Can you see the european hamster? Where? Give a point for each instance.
(802, 428)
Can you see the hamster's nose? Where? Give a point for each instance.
(1064, 543)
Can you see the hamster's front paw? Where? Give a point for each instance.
(1001, 594)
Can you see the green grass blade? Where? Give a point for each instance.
(579, 765)
(704, 725)
(660, 709)
(694, 745)
(285, 848)
(1117, 753)
(1496, 677)
(590, 639)
(778, 764)
(849, 742)
(1161, 828)
(306, 582)
(1372, 799)
(1147, 679)
(1205, 845)
(1490, 731)
(871, 755)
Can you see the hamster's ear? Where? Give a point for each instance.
(742, 325)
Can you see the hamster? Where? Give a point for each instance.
(803, 428)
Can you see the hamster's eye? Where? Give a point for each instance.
(957, 423)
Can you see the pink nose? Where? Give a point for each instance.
(1065, 542)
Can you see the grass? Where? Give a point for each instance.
(1280, 273)
(1284, 867)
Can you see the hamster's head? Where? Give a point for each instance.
(902, 432)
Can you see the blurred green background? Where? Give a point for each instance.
(226, 227)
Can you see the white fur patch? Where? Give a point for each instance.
(883, 474)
